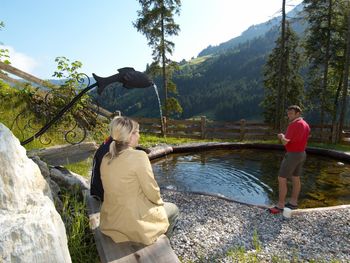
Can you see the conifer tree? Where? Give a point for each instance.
(318, 50)
(290, 81)
(156, 22)
(325, 47)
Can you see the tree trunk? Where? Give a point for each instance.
(164, 73)
(345, 80)
(280, 101)
(335, 111)
(162, 46)
(326, 64)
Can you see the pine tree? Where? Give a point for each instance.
(290, 81)
(325, 47)
(156, 22)
(321, 48)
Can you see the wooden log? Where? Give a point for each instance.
(184, 129)
(24, 75)
(147, 120)
(242, 129)
(126, 252)
(65, 154)
(183, 122)
(101, 111)
(9, 79)
(203, 126)
(224, 126)
(218, 129)
(222, 123)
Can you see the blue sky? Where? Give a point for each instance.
(100, 34)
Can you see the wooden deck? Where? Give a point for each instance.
(126, 252)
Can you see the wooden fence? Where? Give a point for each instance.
(241, 130)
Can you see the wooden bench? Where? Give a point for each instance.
(126, 252)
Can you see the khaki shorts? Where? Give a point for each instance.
(292, 164)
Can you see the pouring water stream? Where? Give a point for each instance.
(160, 106)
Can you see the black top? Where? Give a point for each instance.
(96, 188)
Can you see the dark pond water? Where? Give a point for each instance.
(250, 176)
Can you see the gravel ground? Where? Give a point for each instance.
(210, 227)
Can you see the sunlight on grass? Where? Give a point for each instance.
(83, 168)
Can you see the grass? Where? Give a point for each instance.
(81, 242)
(83, 168)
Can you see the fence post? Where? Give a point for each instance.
(335, 133)
(164, 126)
(203, 124)
(242, 131)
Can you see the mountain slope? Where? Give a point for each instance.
(252, 32)
(224, 85)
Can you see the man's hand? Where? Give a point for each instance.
(283, 139)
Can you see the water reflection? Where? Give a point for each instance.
(250, 176)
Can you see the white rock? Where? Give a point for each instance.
(31, 229)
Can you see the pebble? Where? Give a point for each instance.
(210, 228)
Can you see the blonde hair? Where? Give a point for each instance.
(121, 129)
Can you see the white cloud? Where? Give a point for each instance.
(20, 60)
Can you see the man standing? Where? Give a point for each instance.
(295, 141)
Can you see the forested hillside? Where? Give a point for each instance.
(227, 84)
(252, 32)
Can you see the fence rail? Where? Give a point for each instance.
(240, 130)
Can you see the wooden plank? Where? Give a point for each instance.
(157, 252)
(65, 154)
(9, 79)
(101, 111)
(24, 75)
(218, 129)
(184, 129)
(257, 124)
(225, 126)
(179, 122)
(126, 252)
(151, 124)
(147, 120)
(221, 123)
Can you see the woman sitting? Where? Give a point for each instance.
(132, 209)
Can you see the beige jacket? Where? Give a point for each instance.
(132, 209)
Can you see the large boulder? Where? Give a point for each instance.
(31, 228)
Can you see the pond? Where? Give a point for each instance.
(250, 176)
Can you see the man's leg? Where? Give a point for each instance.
(295, 191)
(172, 212)
(296, 183)
(282, 191)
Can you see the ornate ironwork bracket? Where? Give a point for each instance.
(129, 77)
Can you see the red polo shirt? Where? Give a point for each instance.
(298, 133)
